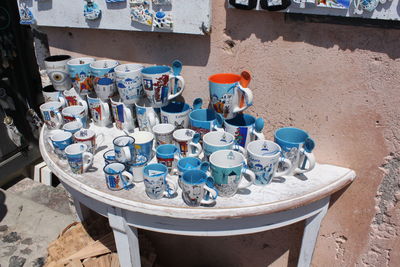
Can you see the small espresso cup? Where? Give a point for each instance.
(227, 168)
(205, 120)
(73, 113)
(100, 111)
(109, 157)
(168, 155)
(129, 82)
(123, 115)
(144, 142)
(57, 70)
(156, 182)
(156, 83)
(79, 71)
(263, 158)
(89, 138)
(146, 115)
(296, 146)
(214, 141)
(72, 126)
(59, 141)
(103, 77)
(197, 188)
(163, 133)
(188, 142)
(51, 94)
(78, 158)
(243, 127)
(177, 114)
(227, 96)
(117, 177)
(124, 148)
(51, 113)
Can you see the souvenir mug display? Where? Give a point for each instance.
(79, 71)
(103, 77)
(99, 110)
(146, 115)
(177, 114)
(51, 114)
(157, 184)
(117, 177)
(123, 114)
(129, 82)
(163, 133)
(51, 94)
(78, 158)
(245, 128)
(227, 95)
(296, 146)
(197, 188)
(188, 142)
(73, 113)
(57, 70)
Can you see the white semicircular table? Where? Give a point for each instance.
(285, 201)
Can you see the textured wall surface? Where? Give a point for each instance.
(340, 83)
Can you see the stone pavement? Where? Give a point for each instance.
(31, 216)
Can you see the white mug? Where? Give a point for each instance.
(163, 133)
(74, 99)
(187, 142)
(56, 68)
(78, 158)
(123, 115)
(89, 138)
(100, 111)
(51, 113)
(129, 82)
(177, 114)
(103, 77)
(146, 115)
(51, 94)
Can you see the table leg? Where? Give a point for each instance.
(126, 238)
(310, 235)
(81, 210)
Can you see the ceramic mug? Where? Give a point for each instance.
(56, 68)
(191, 163)
(296, 146)
(78, 158)
(227, 96)
(227, 168)
(163, 133)
(72, 126)
(242, 127)
(177, 114)
(124, 148)
(103, 77)
(109, 157)
(100, 111)
(263, 158)
(123, 114)
(89, 138)
(74, 99)
(51, 94)
(168, 155)
(59, 141)
(157, 82)
(73, 113)
(129, 82)
(214, 141)
(51, 113)
(188, 142)
(79, 71)
(205, 120)
(144, 142)
(117, 177)
(136, 168)
(156, 182)
(146, 115)
(197, 188)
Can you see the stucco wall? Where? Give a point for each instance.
(340, 83)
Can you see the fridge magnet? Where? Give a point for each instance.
(25, 15)
(275, 5)
(91, 10)
(162, 20)
(361, 5)
(140, 12)
(342, 4)
(243, 4)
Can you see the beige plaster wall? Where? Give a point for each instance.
(340, 83)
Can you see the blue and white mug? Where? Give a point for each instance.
(214, 141)
(103, 77)
(59, 140)
(146, 115)
(227, 168)
(144, 145)
(296, 146)
(205, 120)
(136, 168)
(78, 158)
(124, 115)
(188, 142)
(109, 157)
(157, 81)
(124, 148)
(72, 126)
(168, 155)
(51, 114)
(177, 114)
(156, 182)
(129, 82)
(191, 163)
(242, 127)
(263, 158)
(74, 99)
(79, 71)
(197, 188)
(163, 133)
(117, 177)
(73, 113)
(100, 111)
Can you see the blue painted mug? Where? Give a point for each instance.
(59, 140)
(103, 77)
(191, 163)
(72, 126)
(78, 158)
(79, 71)
(117, 177)
(177, 114)
(227, 168)
(214, 141)
(168, 155)
(144, 145)
(129, 82)
(197, 188)
(205, 120)
(296, 146)
(51, 114)
(242, 127)
(109, 157)
(156, 182)
(124, 148)
(146, 115)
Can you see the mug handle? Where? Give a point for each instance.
(195, 146)
(287, 164)
(128, 116)
(127, 176)
(248, 95)
(258, 136)
(50, 143)
(181, 80)
(87, 158)
(127, 153)
(59, 118)
(106, 108)
(211, 195)
(204, 166)
(247, 183)
(240, 149)
(311, 158)
(84, 104)
(62, 100)
(152, 117)
(171, 187)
